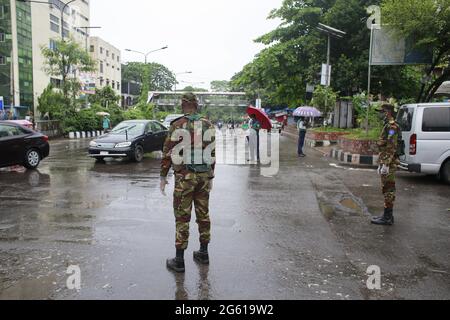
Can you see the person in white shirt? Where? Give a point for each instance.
(301, 126)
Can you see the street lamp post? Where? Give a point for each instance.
(146, 54)
(86, 34)
(61, 9)
(145, 73)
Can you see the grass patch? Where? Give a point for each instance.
(357, 134)
(360, 134)
(330, 129)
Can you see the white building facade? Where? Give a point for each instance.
(48, 26)
(109, 67)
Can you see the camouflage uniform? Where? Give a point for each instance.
(191, 187)
(388, 156)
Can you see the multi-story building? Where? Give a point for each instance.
(109, 67)
(16, 59)
(52, 22)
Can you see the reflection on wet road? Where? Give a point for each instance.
(300, 235)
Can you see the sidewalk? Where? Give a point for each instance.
(332, 152)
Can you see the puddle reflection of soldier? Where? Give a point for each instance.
(388, 162)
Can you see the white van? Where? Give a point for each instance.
(426, 133)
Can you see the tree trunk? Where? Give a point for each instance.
(437, 84)
(422, 97)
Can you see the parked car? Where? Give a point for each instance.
(170, 118)
(426, 133)
(130, 139)
(21, 146)
(23, 123)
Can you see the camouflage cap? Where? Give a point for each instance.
(189, 97)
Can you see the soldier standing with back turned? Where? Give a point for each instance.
(193, 182)
(388, 162)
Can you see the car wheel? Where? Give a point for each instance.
(138, 154)
(445, 172)
(32, 159)
(100, 159)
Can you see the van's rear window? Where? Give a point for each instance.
(436, 119)
(405, 118)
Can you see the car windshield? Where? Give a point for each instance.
(134, 129)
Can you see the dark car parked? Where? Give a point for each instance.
(21, 146)
(130, 139)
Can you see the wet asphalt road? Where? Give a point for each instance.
(304, 234)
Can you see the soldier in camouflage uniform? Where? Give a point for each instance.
(193, 181)
(388, 162)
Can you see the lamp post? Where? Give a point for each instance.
(145, 80)
(61, 9)
(146, 54)
(330, 32)
(86, 34)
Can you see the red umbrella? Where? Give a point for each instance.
(261, 116)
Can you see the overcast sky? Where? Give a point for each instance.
(211, 38)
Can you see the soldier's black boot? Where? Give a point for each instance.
(177, 264)
(202, 256)
(386, 220)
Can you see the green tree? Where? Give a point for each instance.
(428, 23)
(159, 77)
(220, 86)
(105, 97)
(67, 57)
(324, 99)
(296, 50)
(52, 103)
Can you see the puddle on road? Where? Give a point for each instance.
(351, 204)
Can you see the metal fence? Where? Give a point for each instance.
(51, 128)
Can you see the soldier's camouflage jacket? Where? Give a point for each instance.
(388, 143)
(187, 123)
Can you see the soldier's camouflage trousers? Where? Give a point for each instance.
(193, 188)
(389, 189)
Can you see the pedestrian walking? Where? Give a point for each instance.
(301, 126)
(388, 161)
(255, 127)
(193, 183)
(106, 124)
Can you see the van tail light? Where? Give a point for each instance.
(45, 138)
(413, 145)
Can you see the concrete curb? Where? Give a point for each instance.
(353, 159)
(85, 134)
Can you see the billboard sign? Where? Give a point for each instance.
(388, 49)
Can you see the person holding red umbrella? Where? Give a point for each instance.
(255, 127)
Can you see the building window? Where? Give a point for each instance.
(118, 86)
(101, 50)
(107, 53)
(113, 56)
(2, 60)
(107, 82)
(3, 12)
(101, 82)
(113, 84)
(92, 48)
(101, 66)
(55, 82)
(2, 36)
(52, 45)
